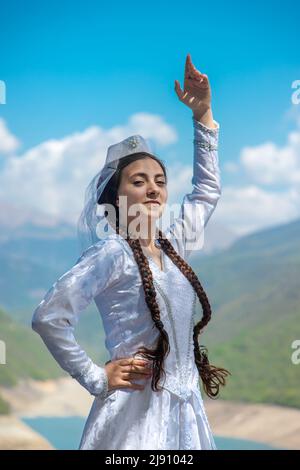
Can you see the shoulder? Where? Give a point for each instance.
(110, 249)
(104, 261)
(111, 245)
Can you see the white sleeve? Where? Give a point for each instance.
(56, 316)
(187, 231)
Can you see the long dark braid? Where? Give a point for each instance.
(212, 377)
(163, 347)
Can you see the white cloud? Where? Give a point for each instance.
(271, 192)
(269, 164)
(231, 167)
(151, 126)
(52, 176)
(250, 208)
(8, 142)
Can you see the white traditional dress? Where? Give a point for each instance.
(124, 418)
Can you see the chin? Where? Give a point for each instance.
(154, 209)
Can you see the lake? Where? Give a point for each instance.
(64, 433)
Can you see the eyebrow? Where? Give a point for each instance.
(145, 175)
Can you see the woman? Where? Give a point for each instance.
(146, 293)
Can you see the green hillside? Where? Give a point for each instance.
(26, 356)
(253, 288)
(260, 363)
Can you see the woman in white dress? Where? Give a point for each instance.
(147, 396)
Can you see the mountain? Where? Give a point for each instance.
(36, 249)
(17, 221)
(253, 288)
(31, 266)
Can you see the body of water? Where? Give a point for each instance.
(64, 433)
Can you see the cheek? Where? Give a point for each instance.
(134, 194)
(165, 195)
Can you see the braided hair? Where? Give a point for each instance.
(212, 377)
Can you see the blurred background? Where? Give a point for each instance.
(76, 77)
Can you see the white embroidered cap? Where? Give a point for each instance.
(92, 212)
(133, 144)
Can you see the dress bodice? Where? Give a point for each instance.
(128, 325)
(177, 301)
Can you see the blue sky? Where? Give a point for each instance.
(72, 65)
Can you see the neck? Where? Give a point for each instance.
(147, 240)
(148, 244)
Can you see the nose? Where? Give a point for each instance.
(153, 188)
(152, 192)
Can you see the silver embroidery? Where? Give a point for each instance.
(182, 367)
(205, 145)
(87, 376)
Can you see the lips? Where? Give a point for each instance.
(153, 202)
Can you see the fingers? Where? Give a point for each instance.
(192, 80)
(188, 64)
(136, 366)
(131, 361)
(145, 369)
(128, 369)
(135, 373)
(136, 376)
(178, 89)
(190, 69)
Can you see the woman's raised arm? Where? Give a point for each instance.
(197, 206)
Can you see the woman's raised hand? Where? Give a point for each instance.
(121, 372)
(197, 93)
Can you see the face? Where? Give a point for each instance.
(143, 181)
